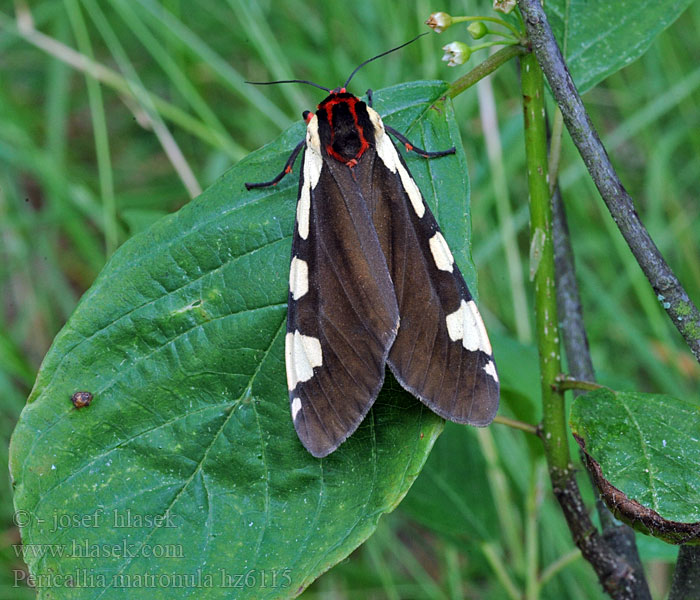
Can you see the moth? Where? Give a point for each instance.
(372, 282)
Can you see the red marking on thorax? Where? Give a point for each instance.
(351, 103)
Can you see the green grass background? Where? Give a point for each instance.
(83, 167)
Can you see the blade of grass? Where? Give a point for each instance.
(107, 76)
(382, 568)
(99, 128)
(430, 589)
(177, 77)
(226, 73)
(555, 567)
(489, 120)
(254, 22)
(496, 563)
(532, 515)
(455, 589)
(167, 141)
(503, 498)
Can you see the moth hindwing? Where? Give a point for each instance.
(372, 282)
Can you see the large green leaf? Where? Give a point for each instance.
(451, 496)
(644, 452)
(180, 341)
(599, 37)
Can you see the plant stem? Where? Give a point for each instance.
(502, 34)
(613, 572)
(619, 538)
(483, 69)
(510, 42)
(554, 417)
(686, 578)
(518, 34)
(515, 424)
(675, 300)
(577, 384)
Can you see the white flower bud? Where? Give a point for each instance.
(439, 21)
(504, 6)
(456, 53)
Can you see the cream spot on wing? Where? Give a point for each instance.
(455, 323)
(466, 324)
(410, 187)
(313, 141)
(302, 354)
(441, 252)
(303, 209)
(387, 152)
(311, 173)
(377, 122)
(298, 278)
(296, 407)
(490, 369)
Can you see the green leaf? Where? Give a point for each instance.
(644, 451)
(186, 466)
(599, 37)
(453, 497)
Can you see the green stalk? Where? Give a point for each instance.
(576, 384)
(483, 69)
(542, 266)
(513, 29)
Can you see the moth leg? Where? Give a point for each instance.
(287, 169)
(410, 147)
(369, 98)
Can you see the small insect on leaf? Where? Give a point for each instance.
(81, 399)
(373, 283)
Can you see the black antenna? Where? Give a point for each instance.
(351, 74)
(382, 54)
(289, 81)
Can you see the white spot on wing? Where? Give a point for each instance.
(490, 369)
(455, 323)
(298, 278)
(311, 173)
(387, 152)
(313, 141)
(296, 407)
(303, 209)
(466, 324)
(441, 252)
(302, 354)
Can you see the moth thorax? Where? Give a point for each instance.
(345, 128)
